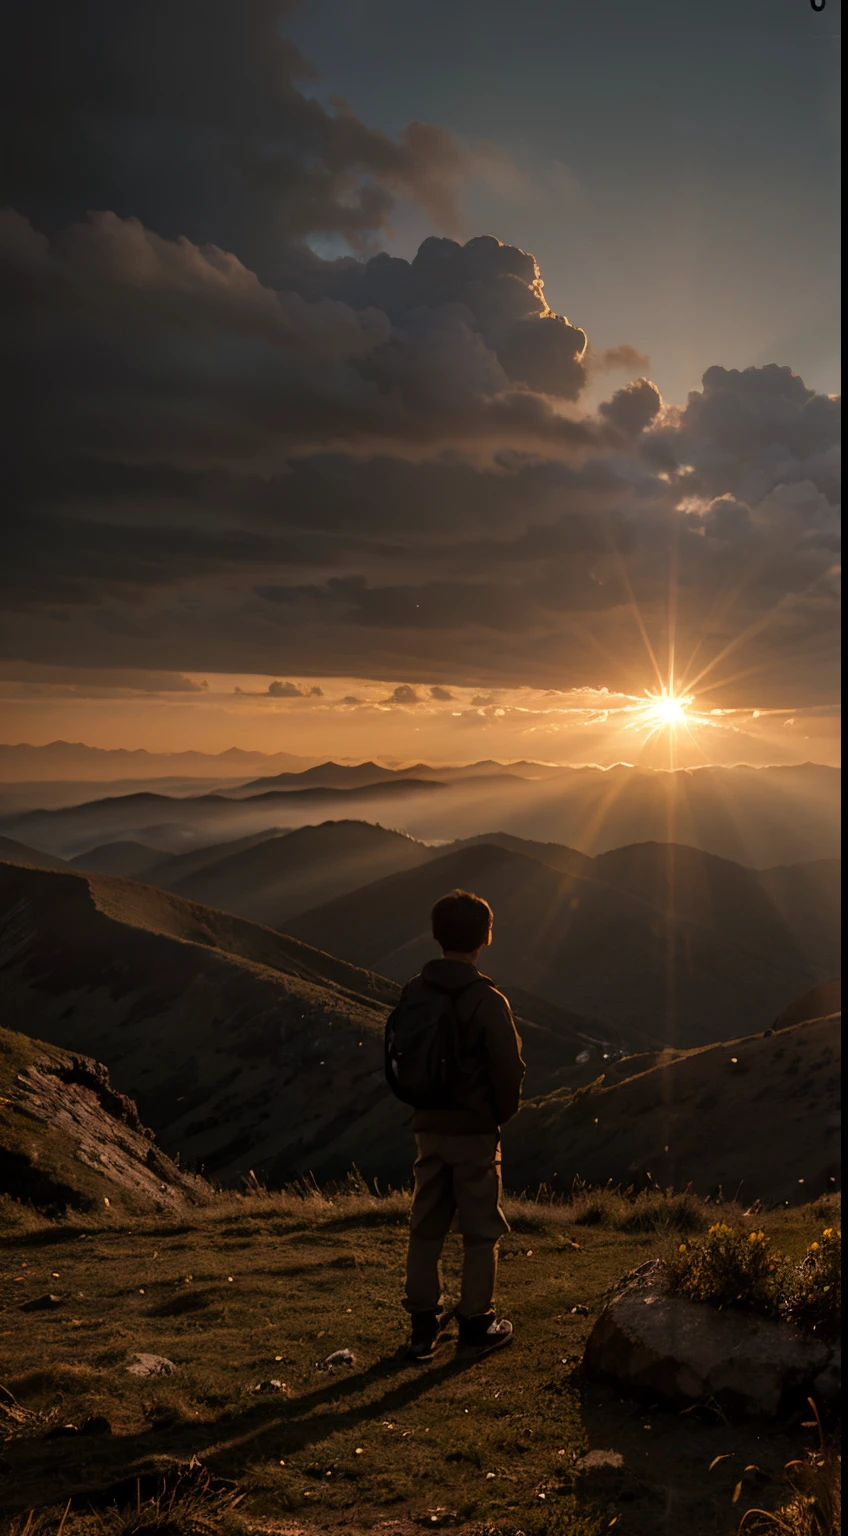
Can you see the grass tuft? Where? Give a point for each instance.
(813, 1505)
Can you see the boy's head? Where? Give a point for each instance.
(462, 923)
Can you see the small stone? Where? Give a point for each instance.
(41, 1303)
(151, 1365)
(339, 1357)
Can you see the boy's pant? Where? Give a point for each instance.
(455, 1174)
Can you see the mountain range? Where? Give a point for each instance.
(654, 937)
(246, 1049)
(665, 941)
(753, 816)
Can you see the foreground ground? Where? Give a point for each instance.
(261, 1289)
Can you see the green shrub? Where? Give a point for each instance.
(734, 1268)
(729, 1268)
(814, 1294)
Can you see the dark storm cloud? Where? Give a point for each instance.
(634, 407)
(221, 452)
(192, 116)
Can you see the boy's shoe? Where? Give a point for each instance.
(480, 1335)
(427, 1329)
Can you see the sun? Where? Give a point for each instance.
(667, 710)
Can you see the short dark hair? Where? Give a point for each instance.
(462, 921)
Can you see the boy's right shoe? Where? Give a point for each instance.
(480, 1335)
(427, 1329)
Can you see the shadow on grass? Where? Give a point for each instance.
(37, 1475)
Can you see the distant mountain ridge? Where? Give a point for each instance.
(756, 817)
(74, 759)
(666, 939)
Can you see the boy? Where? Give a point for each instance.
(458, 1162)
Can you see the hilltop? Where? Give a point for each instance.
(263, 1288)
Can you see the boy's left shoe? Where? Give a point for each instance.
(427, 1329)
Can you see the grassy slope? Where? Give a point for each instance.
(13, 852)
(760, 1115)
(233, 1063)
(262, 1288)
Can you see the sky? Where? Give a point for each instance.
(422, 383)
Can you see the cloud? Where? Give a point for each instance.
(443, 695)
(194, 119)
(634, 407)
(611, 359)
(291, 691)
(220, 448)
(482, 700)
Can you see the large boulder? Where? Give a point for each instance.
(681, 1352)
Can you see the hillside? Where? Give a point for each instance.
(69, 1142)
(123, 857)
(13, 852)
(279, 877)
(819, 1003)
(683, 946)
(755, 1118)
(242, 1047)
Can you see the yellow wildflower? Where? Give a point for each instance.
(682, 1248)
(814, 1247)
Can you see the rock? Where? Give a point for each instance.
(269, 1386)
(681, 1352)
(41, 1303)
(339, 1357)
(594, 1459)
(151, 1365)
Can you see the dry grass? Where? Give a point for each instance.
(265, 1286)
(813, 1506)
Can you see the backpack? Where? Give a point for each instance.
(422, 1058)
